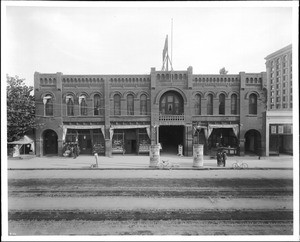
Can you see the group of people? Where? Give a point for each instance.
(221, 157)
(71, 150)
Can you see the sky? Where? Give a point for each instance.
(129, 39)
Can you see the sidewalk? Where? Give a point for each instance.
(142, 162)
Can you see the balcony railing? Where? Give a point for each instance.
(171, 119)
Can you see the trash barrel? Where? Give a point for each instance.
(198, 155)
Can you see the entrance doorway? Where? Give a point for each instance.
(253, 142)
(170, 137)
(50, 142)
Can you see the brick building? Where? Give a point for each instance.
(126, 113)
(279, 114)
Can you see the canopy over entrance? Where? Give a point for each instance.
(25, 145)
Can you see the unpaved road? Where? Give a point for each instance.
(150, 202)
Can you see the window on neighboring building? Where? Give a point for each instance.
(117, 104)
(210, 104)
(83, 105)
(48, 102)
(70, 106)
(143, 104)
(253, 104)
(233, 104)
(222, 104)
(130, 104)
(197, 104)
(97, 104)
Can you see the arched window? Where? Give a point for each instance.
(117, 104)
(197, 104)
(171, 103)
(97, 104)
(83, 105)
(233, 104)
(130, 104)
(209, 104)
(252, 104)
(143, 104)
(48, 104)
(70, 105)
(222, 104)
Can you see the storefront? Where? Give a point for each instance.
(131, 139)
(281, 139)
(215, 136)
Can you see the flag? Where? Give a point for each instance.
(165, 51)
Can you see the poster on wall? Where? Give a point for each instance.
(273, 129)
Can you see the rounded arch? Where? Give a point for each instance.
(83, 93)
(65, 95)
(209, 92)
(95, 93)
(160, 93)
(171, 103)
(139, 94)
(253, 142)
(50, 144)
(252, 92)
(197, 92)
(222, 92)
(112, 94)
(47, 93)
(129, 93)
(234, 92)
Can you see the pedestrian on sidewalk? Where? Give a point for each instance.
(219, 157)
(224, 157)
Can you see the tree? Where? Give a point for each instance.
(223, 71)
(20, 108)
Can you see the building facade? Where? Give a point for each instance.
(279, 114)
(125, 114)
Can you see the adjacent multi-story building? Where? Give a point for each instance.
(279, 115)
(125, 114)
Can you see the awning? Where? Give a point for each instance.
(19, 143)
(199, 127)
(138, 126)
(66, 127)
(235, 128)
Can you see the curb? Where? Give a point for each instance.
(153, 169)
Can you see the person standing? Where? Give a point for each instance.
(219, 157)
(224, 157)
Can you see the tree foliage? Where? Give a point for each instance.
(20, 108)
(223, 71)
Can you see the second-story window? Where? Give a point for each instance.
(83, 105)
(233, 104)
(143, 103)
(48, 104)
(70, 106)
(130, 104)
(97, 104)
(117, 104)
(209, 104)
(197, 104)
(253, 104)
(222, 104)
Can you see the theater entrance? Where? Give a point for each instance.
(170, 137)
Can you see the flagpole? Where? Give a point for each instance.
(172, 51)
